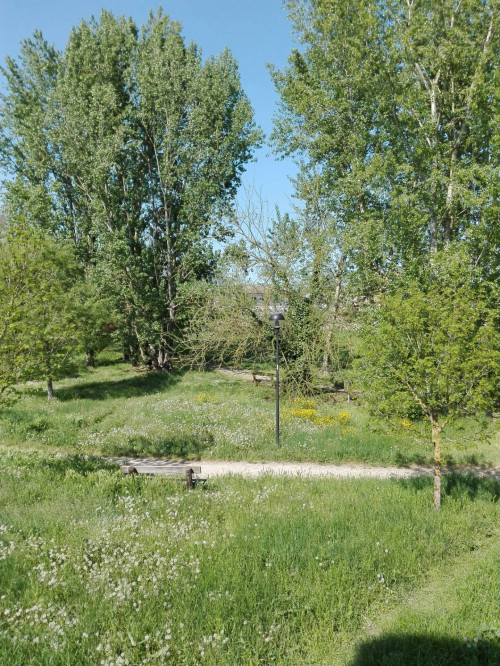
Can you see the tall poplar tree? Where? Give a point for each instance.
(393, 106)
(132, 145)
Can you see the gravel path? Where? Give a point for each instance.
(213, 468)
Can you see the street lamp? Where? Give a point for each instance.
(277, 318)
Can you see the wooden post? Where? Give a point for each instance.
(438, 465)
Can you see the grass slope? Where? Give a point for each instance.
(99, 568)
(116, 410)
(453, 619)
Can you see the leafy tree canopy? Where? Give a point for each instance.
(132, 145)
(38, 331)
(392, 108)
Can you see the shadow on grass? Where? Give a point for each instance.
(459, 485)
(426, 650)
(77, 463)
(174, 447)
(131, 387)
(103, 361)
(404, 459)
(475, 459)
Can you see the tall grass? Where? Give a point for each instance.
(453, 619)
(99, 568)
(116, 410)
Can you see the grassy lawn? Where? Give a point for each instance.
(454, 618)
(100, 568)
(116, 410)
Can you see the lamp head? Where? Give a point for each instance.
(277, 317)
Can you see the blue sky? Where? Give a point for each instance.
(256, 31)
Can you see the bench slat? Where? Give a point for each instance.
(180, 470)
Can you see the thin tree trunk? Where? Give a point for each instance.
(171, 295)
(50, 389)
(449, 221)
(133, 357)
(167, 343)
(90, 358)
(326, 352)
(333, 318)
(140, 347)
(436, 441)
(153, 354)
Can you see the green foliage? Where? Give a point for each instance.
(390, 108)
(38, 328)
(297, 258)
(132, 146)
(95, 316)
(432, 348)
(391, 111)
(224, 326)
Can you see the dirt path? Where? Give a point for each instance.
(213, 468)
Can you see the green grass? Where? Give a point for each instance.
(116, 410)
(100, 568)
(453, 619)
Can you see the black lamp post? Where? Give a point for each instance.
(277, 318)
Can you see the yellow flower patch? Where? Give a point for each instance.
(343, 418)
(304, 403)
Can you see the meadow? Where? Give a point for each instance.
(100, 568)
(118, 410)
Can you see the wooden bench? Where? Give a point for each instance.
(257, 378)
(186, 471)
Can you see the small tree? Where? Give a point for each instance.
(38, 330)
(431, 349)
(15, 277)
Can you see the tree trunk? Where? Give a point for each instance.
(333, 318)
(326, 352)
(436, 441)
(90, 358)
(131, 353)
(50, 389)
(153, 355)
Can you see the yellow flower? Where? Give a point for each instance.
(301, 413)
(304, 403)
(343, 417)
(324, 421)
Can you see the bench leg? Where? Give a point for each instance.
(189, 479)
